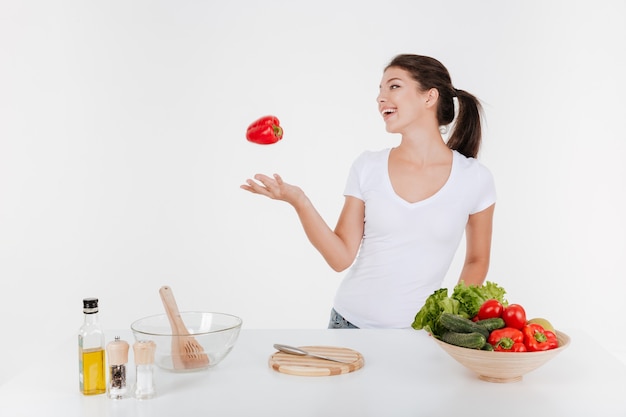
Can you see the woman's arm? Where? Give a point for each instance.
(338, 247)
(478, 247)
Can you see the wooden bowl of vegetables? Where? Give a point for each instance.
(502, 366)
(483, 332)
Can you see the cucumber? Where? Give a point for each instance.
(473, 340)
(491, 324)
(456, 323)
(488, 347)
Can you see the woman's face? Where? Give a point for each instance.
(400, 101)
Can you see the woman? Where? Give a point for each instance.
(406, 208)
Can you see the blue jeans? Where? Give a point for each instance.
(338, 322)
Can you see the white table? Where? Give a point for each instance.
(405, 374)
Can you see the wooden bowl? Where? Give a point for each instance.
(503, 366)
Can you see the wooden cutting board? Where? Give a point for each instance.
(309, 366)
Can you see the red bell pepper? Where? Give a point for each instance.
(506, 339)
(537, 339)
(519, 347)
(265, 131)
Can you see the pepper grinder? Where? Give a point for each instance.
(117, 352)
(144, 360)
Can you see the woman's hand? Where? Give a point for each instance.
(274, 188)
(338, 247)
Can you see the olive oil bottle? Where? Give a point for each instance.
(91, 359)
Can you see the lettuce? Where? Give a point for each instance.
(473, 296)
(428, 316)
(464, 301)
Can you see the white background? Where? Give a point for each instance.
(122, 150)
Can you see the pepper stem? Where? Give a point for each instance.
(506, 343)
(278, 131)
(540, 337)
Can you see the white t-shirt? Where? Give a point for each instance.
(407, 248)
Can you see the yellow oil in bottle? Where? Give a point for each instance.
(93, 372)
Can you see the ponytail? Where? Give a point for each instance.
(466, 136)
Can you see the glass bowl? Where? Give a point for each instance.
(213, 335)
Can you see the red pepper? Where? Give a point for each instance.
(537, 339)
(265, 131)
(519, 347)
(506, 339)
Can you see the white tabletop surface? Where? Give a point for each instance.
(405, 374)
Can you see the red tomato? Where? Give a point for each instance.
(491, 309)
(514, 316)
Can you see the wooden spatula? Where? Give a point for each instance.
(187, 353)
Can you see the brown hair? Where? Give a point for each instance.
(430, 73)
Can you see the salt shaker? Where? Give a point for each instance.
(117, 352)
(144, 360)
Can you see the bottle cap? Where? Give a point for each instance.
(144, 352)
(90, 305)
(117, 352)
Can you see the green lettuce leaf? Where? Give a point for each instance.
(473, 296)
(465, 301)
(428, 316)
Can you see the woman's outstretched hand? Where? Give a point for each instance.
(274, 188)
(338, 248)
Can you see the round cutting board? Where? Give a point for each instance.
(308, 366)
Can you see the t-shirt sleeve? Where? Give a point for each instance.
(486, 190)
(353, 184)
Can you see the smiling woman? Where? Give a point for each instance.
(406, 208)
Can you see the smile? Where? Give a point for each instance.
(387, 112)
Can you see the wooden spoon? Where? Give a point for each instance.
(187, 353)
